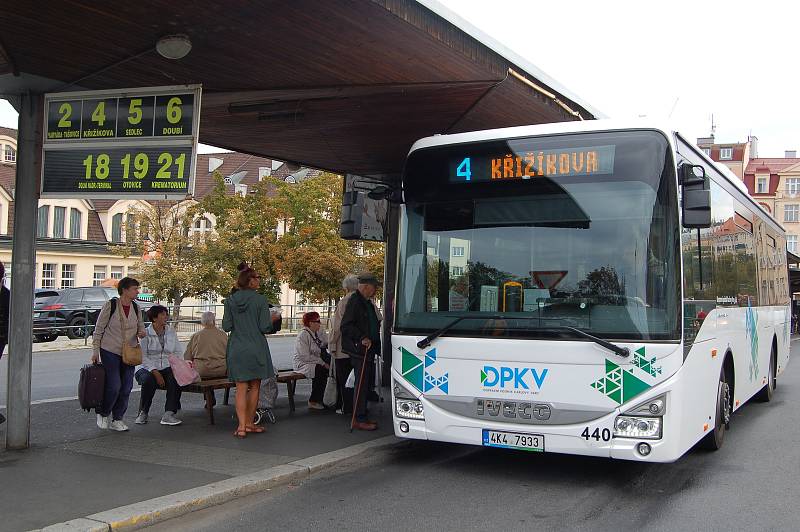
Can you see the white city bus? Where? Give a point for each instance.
(590, 288)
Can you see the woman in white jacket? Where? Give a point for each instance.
(311, 357)
(160, 342)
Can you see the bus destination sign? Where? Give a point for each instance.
(531, 163)
(131, 143)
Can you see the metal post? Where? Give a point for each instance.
(23, 260)
(389, 277)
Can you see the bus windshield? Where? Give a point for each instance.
(525, 237)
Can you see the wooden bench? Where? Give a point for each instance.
(290, 378)
(207, 387)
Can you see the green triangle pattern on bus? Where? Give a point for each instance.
(640, 361)
(619, 385)
(411, 368)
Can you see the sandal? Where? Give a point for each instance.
(254, 428)
(239, 433)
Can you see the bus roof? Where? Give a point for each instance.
(586, 126)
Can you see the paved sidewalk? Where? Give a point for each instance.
(74, 470)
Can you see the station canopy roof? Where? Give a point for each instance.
(344, 85)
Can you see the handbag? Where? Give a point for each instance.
(331, 394)
(183, 370)
(131, 354)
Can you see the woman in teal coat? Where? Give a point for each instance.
(247, 319)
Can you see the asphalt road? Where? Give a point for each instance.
(55, 373)
(750, 484)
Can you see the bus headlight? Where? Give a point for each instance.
(648, 428)
(409, 408)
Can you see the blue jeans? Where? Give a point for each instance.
(119, 381)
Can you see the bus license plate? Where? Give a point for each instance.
(513, 440)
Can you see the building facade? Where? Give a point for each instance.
(775, 185)
(75, 236)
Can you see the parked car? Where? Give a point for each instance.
(72, 311)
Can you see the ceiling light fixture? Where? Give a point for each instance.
(174, 46)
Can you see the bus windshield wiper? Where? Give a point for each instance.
(425, 342)
(621, 351)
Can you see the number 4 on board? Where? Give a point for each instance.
(463, 169)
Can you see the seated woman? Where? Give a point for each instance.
(206, 348)
(159, 343)
(311, 357)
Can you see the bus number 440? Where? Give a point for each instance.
(598, 435)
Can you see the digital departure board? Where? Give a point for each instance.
(530, 163)
(132, 143)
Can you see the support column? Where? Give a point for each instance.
(389, 278)
(23, 270)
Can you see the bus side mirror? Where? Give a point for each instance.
(696, 196)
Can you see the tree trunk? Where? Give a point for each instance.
(176, 307)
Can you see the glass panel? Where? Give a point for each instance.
(59, 216)
(597, 252)
(116, 228)
(44, 219)
(75, 221)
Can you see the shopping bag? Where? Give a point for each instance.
(183, 370)
(331, 394)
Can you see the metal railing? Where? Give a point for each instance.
(188, 321)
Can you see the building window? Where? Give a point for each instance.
(457, 270)
(458, 251)
(116, 272)
(791, 213)
(67, 275)
(707, 151)
(48, 275)
(202, 225)
(75, 222)
(116, 228)
(59, 217)
(791, 243)
(762, 185)
(99, 275)
(44, 219)
(792, 185)
(726, 153)
(10, 154)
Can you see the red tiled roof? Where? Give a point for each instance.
(774, 166)
(95, 232)
(8, 177)
(8, 132)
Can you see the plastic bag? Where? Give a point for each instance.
(351, 380)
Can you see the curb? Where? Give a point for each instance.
(149, 512)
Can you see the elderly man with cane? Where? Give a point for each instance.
(361, 340)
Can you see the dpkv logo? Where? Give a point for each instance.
(517, 378)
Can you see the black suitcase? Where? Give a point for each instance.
(91, 386)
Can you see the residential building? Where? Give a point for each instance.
(73, 235)
(734, 155)
(775, 184)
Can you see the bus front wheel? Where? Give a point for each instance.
(714, 439)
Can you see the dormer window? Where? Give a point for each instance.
(9, 154)
(762, 184)
(725, 154)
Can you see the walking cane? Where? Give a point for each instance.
(358, 388)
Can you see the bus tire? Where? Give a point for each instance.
(714, 439)
(765, 394)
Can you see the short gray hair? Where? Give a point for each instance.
(208, 318)
(350, 282)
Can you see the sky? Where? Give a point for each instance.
(680, 60)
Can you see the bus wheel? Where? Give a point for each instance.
(765, 394)
(714, 439)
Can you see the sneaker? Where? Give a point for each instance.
(315, 406)
(118, 425)
(340, 411)
(169, 419)
(141, 419)
(102, 421)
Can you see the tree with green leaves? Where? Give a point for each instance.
(172, 260)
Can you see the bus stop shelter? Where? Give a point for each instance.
(345, 86)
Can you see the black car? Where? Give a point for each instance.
(72, 312)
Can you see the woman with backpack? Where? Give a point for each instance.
(119, 322)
